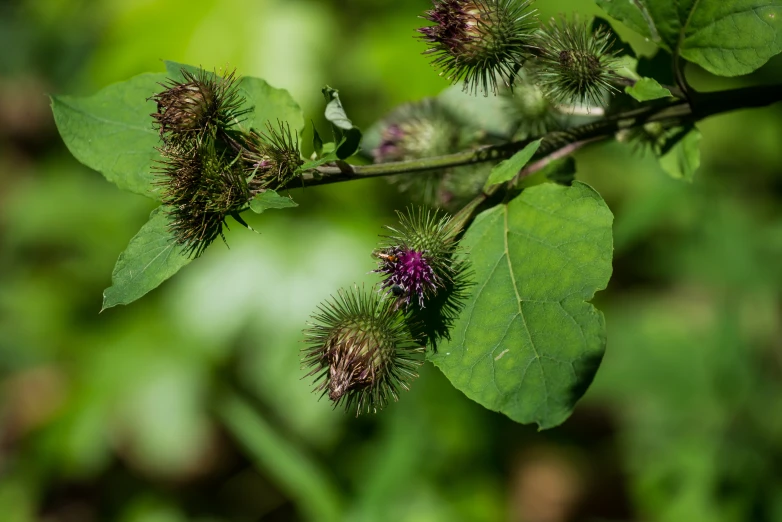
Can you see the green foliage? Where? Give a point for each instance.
(683, 159)
(346, 135)
(270, 199)
(152, 257)
(111, 132)
(678, 425)
(647, 89)
(528, 344)
(725, 37)
(509, 169)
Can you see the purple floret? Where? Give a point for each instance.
(450, 19)
(390, 148)
(410, 270)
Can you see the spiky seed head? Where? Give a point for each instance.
(202, 187)
(418, 130)
(361, 350)
(200, 103)
(575, 64)
(271, 159)
(478, 42)
(418, 255)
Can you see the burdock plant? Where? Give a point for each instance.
(477, 42)
(202, 187)
(361, 350)
(526, 339)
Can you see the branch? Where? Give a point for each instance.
(703, 105)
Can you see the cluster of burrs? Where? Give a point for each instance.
(542, 72)
(484, 44)
(211, 166)
(363, 346)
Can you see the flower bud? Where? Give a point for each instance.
(575, 64)
(271, 159)
(426, 129)
(477, 41)
(655, 137)
(362, 350)
(418, 255)
(418, 130)
(421, 270)
(532, 110)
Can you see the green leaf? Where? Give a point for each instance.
(528, 342)
(507, 170)
(326, 158)
(317, 141)
(111, 132)
(684, 158)
(725, 37)
(647, 89)
(345, 133)
(152, 257)
(268, 103)
(270, 200)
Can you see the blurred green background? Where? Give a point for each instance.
(118, 416)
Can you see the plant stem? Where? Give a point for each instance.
(702, 106)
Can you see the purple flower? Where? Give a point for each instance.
(391, 146)
(408, 273)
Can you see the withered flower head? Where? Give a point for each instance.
(203, 187)
(361, 350)
(200, 103)
(575, 64)
(477, 41)
(271, 159)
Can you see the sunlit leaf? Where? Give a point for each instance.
(647, 89)
(508, 169)
(528, 342)
(111, 131)
(725, 37)
(270, 200)
(346, 134)
(152, 257)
